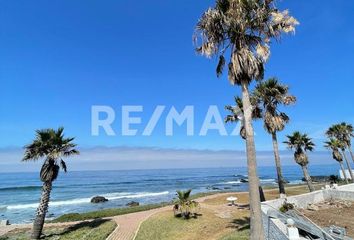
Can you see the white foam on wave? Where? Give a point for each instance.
(113, 196)
(241, 175)
(296, 182)
(109, 196)
(267, 180)
(233, 182)
(51, 204)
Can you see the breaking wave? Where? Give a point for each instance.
(109, 196)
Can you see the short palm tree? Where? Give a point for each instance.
(335, 145)
(51, 146)
(185, 206)
(237, 113)
(343, 133)
(243, 30)
(271, 94)
(301, 143)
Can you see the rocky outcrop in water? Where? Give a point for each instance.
(132, 204)
(98, 199)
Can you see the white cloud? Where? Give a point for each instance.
(112, 158)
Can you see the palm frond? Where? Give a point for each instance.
(243, 28)
(220, 66)
(63, 165)
(299, 142)
(271, 95)
(50, 145)
(343, 132)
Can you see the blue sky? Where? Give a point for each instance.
(58, 58)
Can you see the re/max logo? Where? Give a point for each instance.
(212, 121)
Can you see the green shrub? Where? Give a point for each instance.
(286, 207)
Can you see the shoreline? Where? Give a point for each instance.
(72, 216)
(73, 192)
(116, 214)
(198, 196)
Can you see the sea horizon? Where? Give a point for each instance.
(171, 168)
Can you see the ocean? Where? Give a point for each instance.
(72, 191)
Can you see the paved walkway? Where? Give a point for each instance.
(128, 224)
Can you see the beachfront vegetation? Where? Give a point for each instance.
(271, 94)
(93, 230)
(286, 206)
(301, 143)
(185, 207)
(207, 226)
(216, 221)
(51, 146)
(110, 212)
(237, 235)
(243, 30)
(335, 145)
(343, 132)
(118, 211)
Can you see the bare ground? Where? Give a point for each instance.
(333, 212)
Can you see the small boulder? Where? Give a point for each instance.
(132, 204)
(98, 199)
(312, 207)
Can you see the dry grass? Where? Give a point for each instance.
(165, 226)
(217, 220)
(269, 194)
(95, 230)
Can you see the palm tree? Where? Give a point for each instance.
(185, 207)
(334, 145)
(346, 132)
(349, 135)
(301, 143)
(51, 146)
(244, 30)
(237, 113)
(271, 94)
(343, 132)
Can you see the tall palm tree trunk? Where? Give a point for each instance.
(343, 171)
(351, 152)
(348, 165)
(42, 210)
(278, 165)
(256, 232)
(308, 178)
